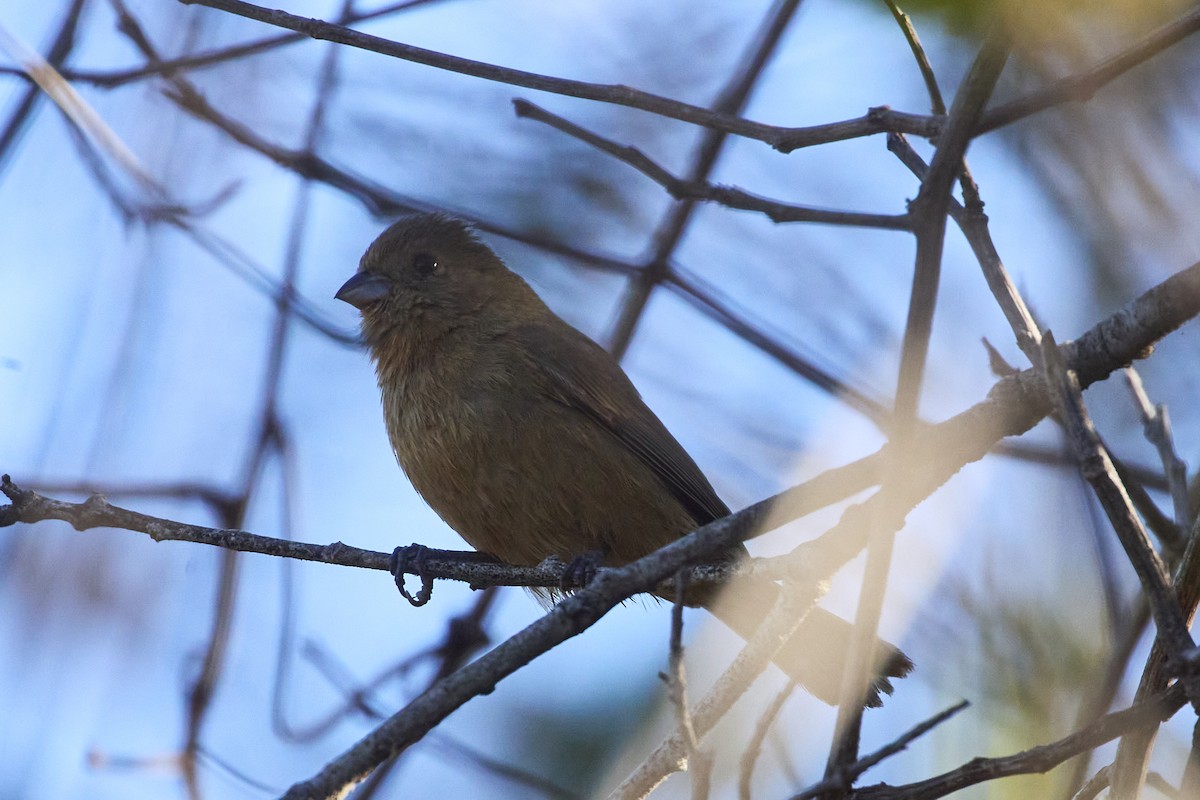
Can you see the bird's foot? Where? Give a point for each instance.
(581, 570)
(411, 559)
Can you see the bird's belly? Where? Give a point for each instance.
(545, 482)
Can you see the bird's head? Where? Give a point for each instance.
(428, 275)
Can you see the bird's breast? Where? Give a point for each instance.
(522, 476)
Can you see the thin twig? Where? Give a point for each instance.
(851, 773)
(116, 78)
(728, 196)
(1157, 426)
(669, 232)
(936, 103)
(160, 206)
(704, 297)
(1134, 750)
(929, 210)
(758, 736)
(877, 120)
(1036, 759)
(56, 56)
(974, 225)
(1173, 538)
(1081, 87)
(1097, 469)
(271, 430)
(699, 760)
(790, 609)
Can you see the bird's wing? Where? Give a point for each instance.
(582, 375)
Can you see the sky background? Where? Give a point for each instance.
(129, 355)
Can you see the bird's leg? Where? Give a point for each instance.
(398, 565)
(581, 569)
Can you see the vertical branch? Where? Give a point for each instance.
(271, 429)
(269, 419)
(929, 211)
(754, 746)
(1157, 426)
(700, 762)
(201, 692)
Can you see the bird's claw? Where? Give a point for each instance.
(411, 558)
(580, 571)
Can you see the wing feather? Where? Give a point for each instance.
(582, 375)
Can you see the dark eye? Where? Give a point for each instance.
(425, 263)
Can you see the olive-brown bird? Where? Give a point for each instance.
(529, 440)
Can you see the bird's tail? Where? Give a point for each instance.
(815, 655)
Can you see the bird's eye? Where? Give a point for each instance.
(425, 263)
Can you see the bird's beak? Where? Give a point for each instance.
(363, 289)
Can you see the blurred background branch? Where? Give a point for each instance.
(129, 365)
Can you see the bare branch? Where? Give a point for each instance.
(928, 211)
(670, 230)
(974, 225)
(1081, 87)
(1171, 622)
(1036, 759)
(570, 617)
(792, 606)
(699, 760)
(937, 104)
(754, 746)
(877, 120)
(1097, 469)
(728, 196)
(1157, 426)
(1134, 750)
(844, 780)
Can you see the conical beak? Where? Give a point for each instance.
(363, 289)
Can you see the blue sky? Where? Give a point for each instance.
(127, 354)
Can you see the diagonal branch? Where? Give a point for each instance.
(1081, 87)
(1042, 758)
(669, 232)
(64, 42)
(844, 781)
(1174, 645)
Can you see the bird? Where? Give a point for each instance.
(530, 441)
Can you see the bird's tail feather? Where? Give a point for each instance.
(815, 655)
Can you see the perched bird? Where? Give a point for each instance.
(529, 440)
